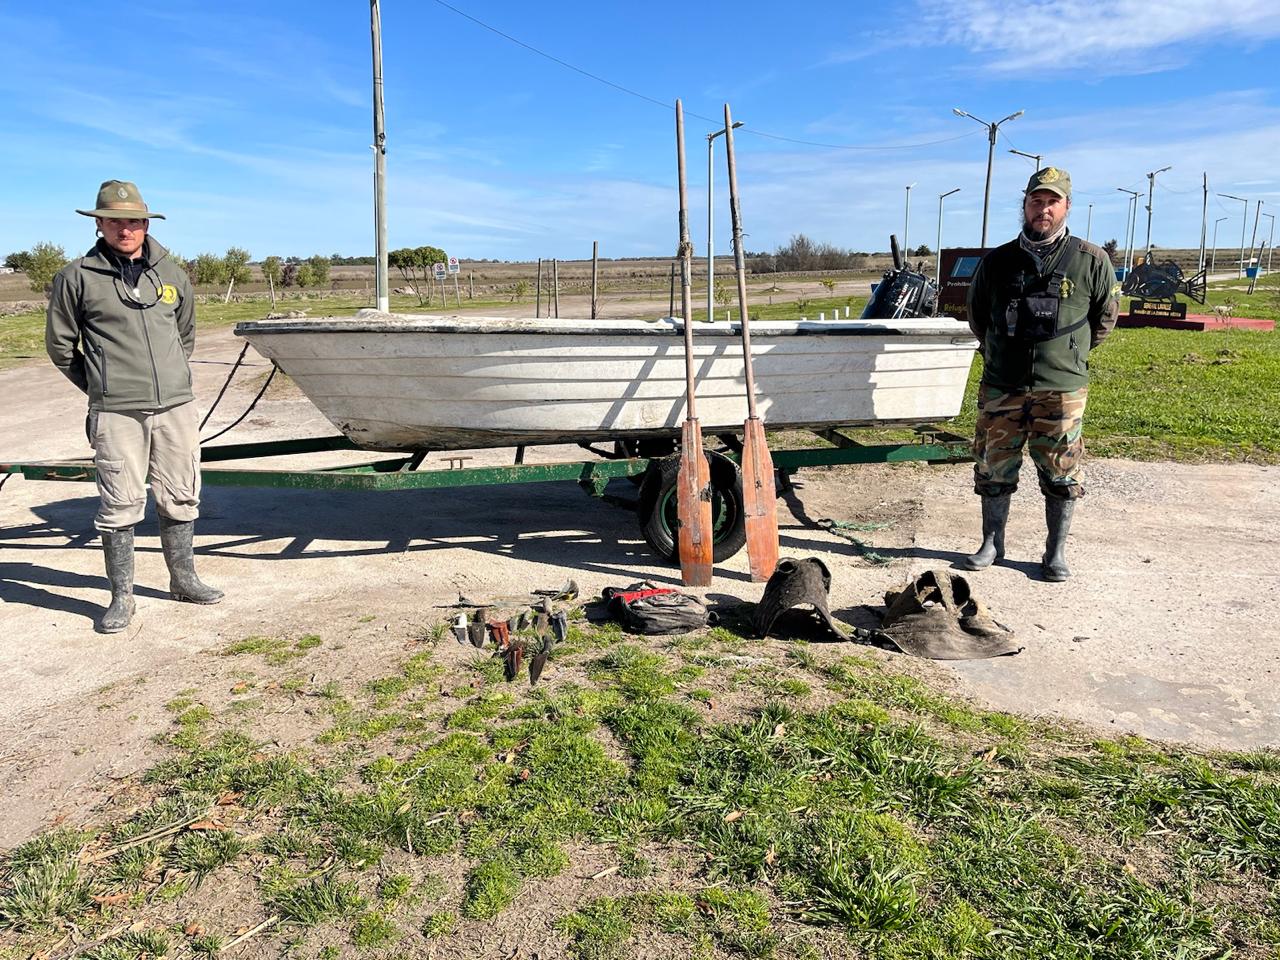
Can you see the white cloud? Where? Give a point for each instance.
(1057, 35)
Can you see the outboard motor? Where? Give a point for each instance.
(901, 292)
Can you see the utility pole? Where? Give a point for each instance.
(937, 270)
(711, 203)
(537, 308)
(1088, 224)
(1130, 215)
(1257, 214)
(381, 285)
(1204, 219)
(906, 223)
(1151, 189)
(595, 264)
(1244, 220)
(993, 130)
(1030, 156)
(1214, 265)
(1270, 238)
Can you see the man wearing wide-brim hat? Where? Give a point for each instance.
(121, 327)
(1038, 304)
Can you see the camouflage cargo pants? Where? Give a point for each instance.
(1047, 422)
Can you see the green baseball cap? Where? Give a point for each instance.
(1054, 179)
(120, 199)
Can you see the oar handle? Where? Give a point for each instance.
(686, 268)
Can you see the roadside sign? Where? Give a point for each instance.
(454, 266)
(438, 270)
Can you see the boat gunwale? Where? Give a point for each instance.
(661, 327)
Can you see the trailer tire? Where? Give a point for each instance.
(657, 507)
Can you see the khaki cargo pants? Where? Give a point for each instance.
(1048, 422)
(131, 447)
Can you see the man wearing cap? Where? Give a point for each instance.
(1038, 305)
(121, 327)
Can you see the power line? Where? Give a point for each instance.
(667, 106)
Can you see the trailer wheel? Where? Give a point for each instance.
(659, 519)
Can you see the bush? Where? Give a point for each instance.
(208, 269)
(45, 260)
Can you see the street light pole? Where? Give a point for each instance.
(1253, 241)
(1214, 263)
(1244, 220)
(1130, 218)
(1151, 189)
(1270, 238)
(381, 284)
(906, 223)
(1088, 224)
(992, 130)
(711, 257)
(1030, 156)
(937, 270)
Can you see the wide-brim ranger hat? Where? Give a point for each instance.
(1053, 179)
(121, 199)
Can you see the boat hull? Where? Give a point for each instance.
(440, 383)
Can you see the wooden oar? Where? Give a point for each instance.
(693, 486)
(758, 493)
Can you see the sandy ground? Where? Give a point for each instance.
(1167, 628)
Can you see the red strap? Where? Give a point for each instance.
(641, 594)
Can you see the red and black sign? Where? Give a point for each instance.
(957, 269)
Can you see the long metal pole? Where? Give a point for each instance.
(1088, 224)
(595, 281)
(1270, 246)
(1257, 215)
(937, 270)
(1151, 190)
(906, 222)
(711, 257)
(537, 303)
(555, 283)
(986, 196)
(381, 284)
(1214, 264)
(1244, 221)
(1204, 219)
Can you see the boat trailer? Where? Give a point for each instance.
(654, 473)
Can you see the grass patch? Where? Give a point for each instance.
(275, 650)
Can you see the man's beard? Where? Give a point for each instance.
(1038, 236)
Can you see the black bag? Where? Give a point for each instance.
(648, 609)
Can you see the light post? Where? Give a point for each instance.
(711, 257)
(1030, 156)
(1130, 226)
(906, 224)
(1088, 224)
(992, 130)
(1151, 189)
(1213, 266)
(1270, 238)
(1244, 219)
(937, 271)
(381, 282)
(1253, 240)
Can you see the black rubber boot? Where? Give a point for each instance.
(117, 547)
(175, 541)
(995, 514)
(1057, 514)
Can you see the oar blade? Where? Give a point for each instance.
(759, 501)
(693, 506)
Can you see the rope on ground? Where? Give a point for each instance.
(840, 529)
(271, 376)
(226, 383)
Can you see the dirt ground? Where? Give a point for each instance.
(1164, 629)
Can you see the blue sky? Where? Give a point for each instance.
(249, 124)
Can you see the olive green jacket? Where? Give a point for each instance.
(126, 351)
(1062, 363)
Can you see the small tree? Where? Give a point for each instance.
(208, 269)
(319, 270)
(520, 290)
(407, 261)
(271, 270)
(21, 261)
(46, 260)
(304, 275)
(236, 266)
(830, 284)
(1112, 247)
(922, 251)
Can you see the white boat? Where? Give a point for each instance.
(419, 382)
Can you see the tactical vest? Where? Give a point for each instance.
(1034, 300)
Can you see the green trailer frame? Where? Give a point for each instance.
(401, 472)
